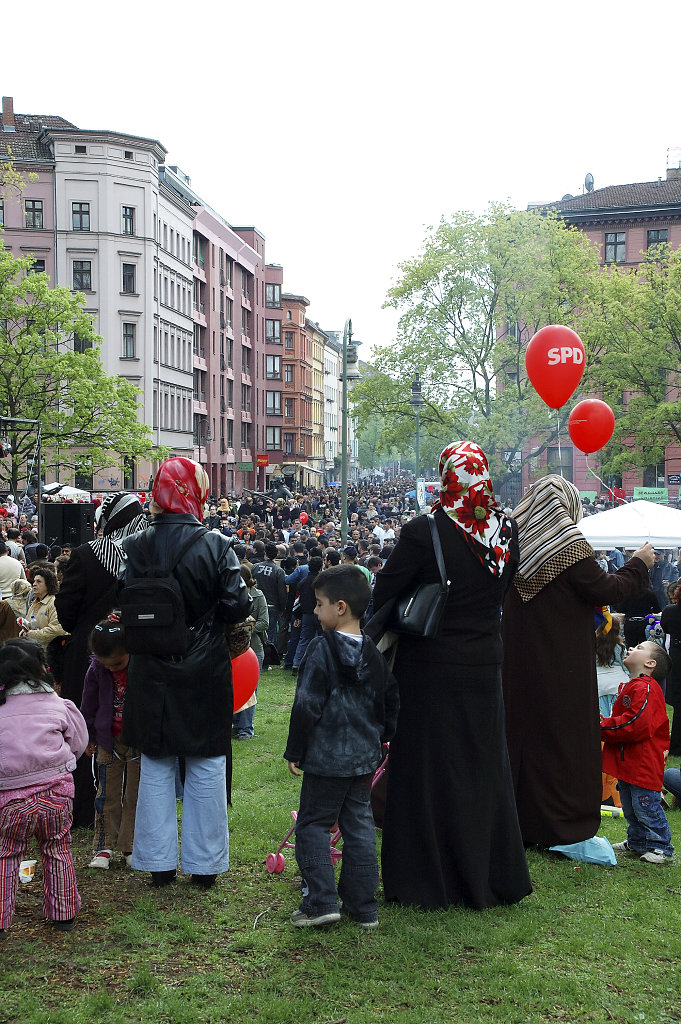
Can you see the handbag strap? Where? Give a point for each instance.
(434, 532)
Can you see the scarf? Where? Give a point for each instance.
(549, 538)
(467, 497)
(120, 515)
(181, 485)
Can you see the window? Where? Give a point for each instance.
(128, 473)
(128, 214)
(80, 215)
(230, 313)
(230, 353)
(82, 275)
(245, 361)
(273, 403)
(272, 438)
(560, 461)
(273, 331)
(273, 367)
(288, 443)
(83, 481)
(230, 393)
(2, 212)
(245, 398)
(34, 213)
(288, 339)
(653, 476)
(244, 284)
(246, 322)
(288, 373)
(129, 278)
(245, 435)
(658, 237)
(273, 295)
(615, 246)
(128, 341)
(38, 267)
(81, 150)
(230, 433)
(289, 407)
(129, 154)
(229, 272)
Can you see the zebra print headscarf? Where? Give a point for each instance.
(121, 515)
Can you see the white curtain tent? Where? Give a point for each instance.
(628, 526)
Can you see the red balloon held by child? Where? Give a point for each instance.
(303, 517)
(245, 672)
(591, 424)
(554, 360)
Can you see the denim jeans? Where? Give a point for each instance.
(273, 627)
(309, 628)
(242, 721)
(205, 836)
(293, 638)
(672, 782)
(648, 826)
(324, 801)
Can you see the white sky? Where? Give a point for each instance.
(342, 130)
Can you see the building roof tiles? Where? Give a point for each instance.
(639, 194)
(25, 143)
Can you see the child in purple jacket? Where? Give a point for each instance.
(41, 737)
(118, 765)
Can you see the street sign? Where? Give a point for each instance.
(674, 478)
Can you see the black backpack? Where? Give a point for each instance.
(152, 609)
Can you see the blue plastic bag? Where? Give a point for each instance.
(597, 850)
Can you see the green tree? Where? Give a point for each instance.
(50, 371)
(470, 301)
(635, 358)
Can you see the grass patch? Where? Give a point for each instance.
(589, 945)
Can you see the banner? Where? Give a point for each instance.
(657, 494)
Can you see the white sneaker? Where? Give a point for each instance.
(302, 920)
(127, 857)
(655, 857)
(625, 848)
(101, 859)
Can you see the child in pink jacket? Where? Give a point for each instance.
(41, 737)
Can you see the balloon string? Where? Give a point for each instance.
(560, 457)
(601, 482)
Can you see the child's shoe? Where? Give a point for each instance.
(625, 848)
(302, 920)
(655, 857)
(127, 858)
(101, 859)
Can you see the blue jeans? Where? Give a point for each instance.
(205, 836)
(293, 637)
(273, 627)
(242, 721)
(648, 826)
(323, 802)
(309, 628)
(672, 782)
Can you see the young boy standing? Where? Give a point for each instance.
(636, 737)
(345, 707)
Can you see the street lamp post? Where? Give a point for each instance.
(416, 402)
(207, 438)
(347, 339)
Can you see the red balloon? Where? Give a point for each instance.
(245, 673)
(591, 424)
(303, 517)
(554, 360)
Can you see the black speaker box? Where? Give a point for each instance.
(62, 523)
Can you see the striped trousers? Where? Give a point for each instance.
(47, 817)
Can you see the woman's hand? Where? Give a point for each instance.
(646, 553)
(293, 768)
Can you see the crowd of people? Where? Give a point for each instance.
(487, 756)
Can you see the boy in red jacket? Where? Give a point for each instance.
(636, 738)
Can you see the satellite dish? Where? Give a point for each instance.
(589, 182)
(566, 197)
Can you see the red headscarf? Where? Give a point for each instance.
(181, 485)
(467, 497)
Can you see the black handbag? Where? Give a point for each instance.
(419, 611)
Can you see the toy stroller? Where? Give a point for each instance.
(275, 862)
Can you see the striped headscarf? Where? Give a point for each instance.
(120, 515)
(467, 497)
(549, 538)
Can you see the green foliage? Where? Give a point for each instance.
(50, 371)
(470, 301)
(634, 343)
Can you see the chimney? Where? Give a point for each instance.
(8, 124)
(673, 172)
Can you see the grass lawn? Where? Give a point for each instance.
(590, 944)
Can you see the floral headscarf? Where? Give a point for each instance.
(181, 485)
(467, 497)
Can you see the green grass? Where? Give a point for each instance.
(590, 944)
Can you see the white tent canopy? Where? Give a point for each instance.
(628, 526)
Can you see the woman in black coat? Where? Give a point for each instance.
(451, 833)
(183, 706)
(87, 595)
(671, 624)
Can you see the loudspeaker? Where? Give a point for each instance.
(62, 523)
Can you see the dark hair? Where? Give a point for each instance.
(288, 564)
(41, 551)
(240, 551)
(271, 550)
(345, 583)
(676, 598)
(606, 643)
(107, 638)
(663, 663)
(332, 556)
(258, 546)
(374, 561)
(316, 552)
(22, 661)
(50, 577)
(315, 565)
(12, 533)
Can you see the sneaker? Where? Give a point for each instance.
(302, 920)
(625, 848)
(127, 860)
(101, 859)
(369, 926)
(655, 857)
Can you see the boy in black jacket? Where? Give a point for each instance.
(345, 707)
